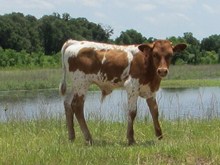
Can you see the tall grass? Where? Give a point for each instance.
(29, 79)
(192, 72)
(41, 78)
(45, 142)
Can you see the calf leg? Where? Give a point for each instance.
(130, 129)
(132, 111)
(152, 103)
(69, 112)
(79, 112)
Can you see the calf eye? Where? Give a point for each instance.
(168, 57)
(157, 56)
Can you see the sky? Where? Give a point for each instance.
(152, 18)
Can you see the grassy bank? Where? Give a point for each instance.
(26, 79)
(45, 142)
(180, 76)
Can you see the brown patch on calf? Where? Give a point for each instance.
(89, 61)
(115, 63)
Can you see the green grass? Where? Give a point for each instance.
(45, 142)
(190, 83)
(186, 72)
(44, 78)
(27, 79)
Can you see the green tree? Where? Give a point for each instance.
(14, 33)
(193, 48)
(19, 32)
(209, 57)
(180, 57)
(219, 55)
(130, 37)
(211, 43)
(47, 32)
(33, 37)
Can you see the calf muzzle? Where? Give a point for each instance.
(162, 72)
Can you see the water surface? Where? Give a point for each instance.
(200, 102)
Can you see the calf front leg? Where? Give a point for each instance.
(130, 129)
(132, 111)
(152, 103)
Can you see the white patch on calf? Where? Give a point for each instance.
(131, 86)
(145, 92)
(81, 83)
(127, 69)
(75, 46)
(104, 59)
(134, 89)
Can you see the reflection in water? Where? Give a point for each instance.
(173, 103)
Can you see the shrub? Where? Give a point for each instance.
(11, 58)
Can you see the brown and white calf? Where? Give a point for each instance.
(136, 68)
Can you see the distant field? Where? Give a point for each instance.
(187, 72)
(180, 76)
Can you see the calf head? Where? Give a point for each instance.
(160, 52)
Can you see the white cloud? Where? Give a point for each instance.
(145, 7)
(92, 3)
(208, 8)
(183, 17)
(177, 5)
(100, 14)
(167, 19)
(35, 4)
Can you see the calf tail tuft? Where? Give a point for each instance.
(62, 88)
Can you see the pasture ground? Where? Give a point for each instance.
(45, 142)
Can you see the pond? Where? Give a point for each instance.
(200, 102)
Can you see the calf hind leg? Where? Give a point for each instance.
(69, 112)
(79, 113)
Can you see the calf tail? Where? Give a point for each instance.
(63, 86)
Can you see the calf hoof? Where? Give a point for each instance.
(131, 142)
(71, 138)
(160, 137)
(159, 134)
(89, 142)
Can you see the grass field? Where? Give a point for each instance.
(180, 76)
(45, 142)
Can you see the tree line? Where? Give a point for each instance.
(26, 40)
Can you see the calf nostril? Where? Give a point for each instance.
(162, 72)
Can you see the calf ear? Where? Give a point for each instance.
(179, 47)
(146, 47)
